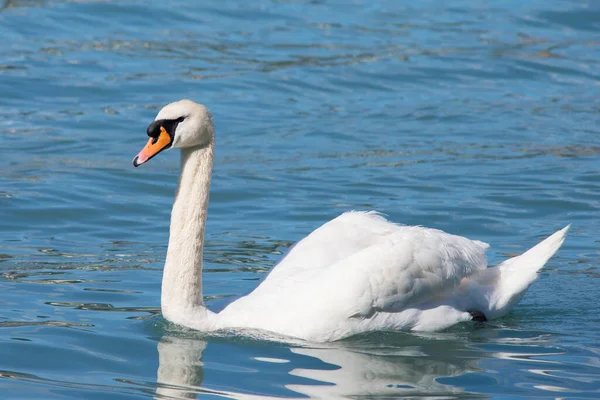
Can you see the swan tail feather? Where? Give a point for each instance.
(500, 288)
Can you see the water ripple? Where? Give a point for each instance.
(477, 118)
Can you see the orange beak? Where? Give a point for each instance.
(153, 147)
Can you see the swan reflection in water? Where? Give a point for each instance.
(333, 371)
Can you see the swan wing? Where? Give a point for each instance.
(406, 269)
(335, 240)
(331, 283)
(364, 243)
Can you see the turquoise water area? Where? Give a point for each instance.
(478, 118)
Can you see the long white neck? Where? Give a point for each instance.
(181, 299)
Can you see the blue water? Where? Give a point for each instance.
(478, 118)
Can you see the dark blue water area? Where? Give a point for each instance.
(478, 118)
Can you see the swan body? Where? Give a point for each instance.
(356, 273)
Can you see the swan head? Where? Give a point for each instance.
(178, 125)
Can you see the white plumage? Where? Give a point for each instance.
(360, 273)
(357, 273)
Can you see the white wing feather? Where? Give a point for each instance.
(352, 268)
(333, 241)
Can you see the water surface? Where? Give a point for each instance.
(478, 118)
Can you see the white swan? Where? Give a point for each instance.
(355, 274)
